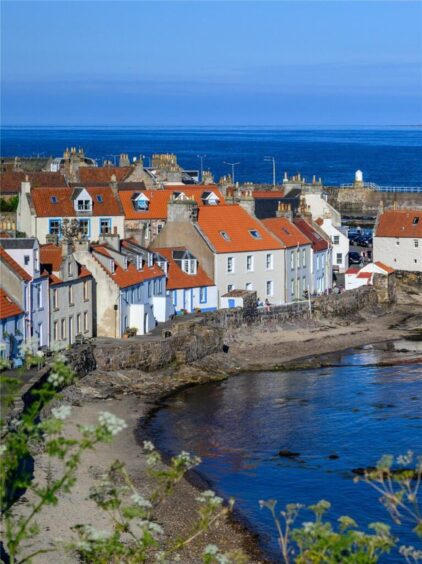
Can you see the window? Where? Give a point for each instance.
(142, 204)
(175, 297)
(105, 226)
(70, 292)
(269, 262)
(339, 258)
(415, 220)
(303, 284)
(397, 242)
(36, 259)
(202, 295)
(86, 325)
(84, 205)
(292, 287)
(249, 263)
(269, 288)
(63, 329)
(39, 296)
(69, 268)
(255, 234)
(336, 239)
(225, 235)
(78, 324)
(55, 298)
(53, 199)
(149, 289)
(56, 330)
(248, 286)
(416, 243)
(139, 293)
(292, 260)
(230, 264)
(303, 258)
(159, 227)
(99, 199)
(230, 287)
(84, 227)
(26, 259)
(54, 227)
(86, 290)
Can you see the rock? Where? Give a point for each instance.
(333, 456)
(288, 453)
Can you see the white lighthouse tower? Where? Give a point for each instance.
(358, 179)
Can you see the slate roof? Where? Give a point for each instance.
(286, 232)
(18, 243)
(400, 223)
(176, 277)
(237, 224)
(8, 308)
(64, 206)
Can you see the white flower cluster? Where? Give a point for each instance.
(405, 459)
(96, 534)
(3, 449)
(61, 412)
(308, 526)
(411, 552)
(111, 423)
(210, 498)
(29, 346)
(153, 528)
(56, 379)
(211, 550)
(148, 446)
(187, 460)
(140, 501)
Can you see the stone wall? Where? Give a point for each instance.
(197, 336)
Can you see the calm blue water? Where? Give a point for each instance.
(238, 426)
(386, 156)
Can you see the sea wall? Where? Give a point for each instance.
(197, 336)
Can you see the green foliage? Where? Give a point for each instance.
(9, 205)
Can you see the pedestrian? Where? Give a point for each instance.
(267, 305)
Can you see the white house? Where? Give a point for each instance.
(22, 279)
(356, 277)
(42, 211)
(11, 329)
(397, 240)
(318, 206)
(190, 287)
(340, 243)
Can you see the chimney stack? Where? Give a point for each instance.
(26, 186)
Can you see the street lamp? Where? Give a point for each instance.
(202, 157)
(232, 165)
(271, 159)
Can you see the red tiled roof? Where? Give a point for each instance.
(258, 194)
(237, 224)
(352, 271)
(14, 266)
(51, 254)
(54, 279)
(286, 231)
(400, 223)
(317, 240)
(364, 275)
(158, 200)
(385, 267)
(176, 278)
(44, 207)
(93, 175)
(8, 308)
(130, 277)
(10, 181)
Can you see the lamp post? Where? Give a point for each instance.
(271, 159)
(232, 165)
(201, 158)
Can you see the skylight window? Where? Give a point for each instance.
(285, 231)
(53, 199)
(99, 199)
(225, 235)
(415, 220)
(255, 234)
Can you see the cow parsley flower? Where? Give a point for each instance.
(55, 379)
(140, 501)
(61, 412)
(148, 446)
(211, 550)
(111, 423)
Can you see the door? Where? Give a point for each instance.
(231, 303)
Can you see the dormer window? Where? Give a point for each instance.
(138, 262)
(255, 234)
(84, 205)
(189, 266)
(150, 259)
(225, 235)
(140, 202)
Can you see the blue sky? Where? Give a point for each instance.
(211, 63)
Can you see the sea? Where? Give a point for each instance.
(388, 156)
(334, 419)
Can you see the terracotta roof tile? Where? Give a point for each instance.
(51, 255)
(107, 205)
(10, 182)
(352, 271)
(8, 308)
(158, 200)
(317, 240)
(14, 266)
(364, 275)
(400, 223)
(385, 267)
(176, 278)
(93, 175)
(228, 228)
(286, 232)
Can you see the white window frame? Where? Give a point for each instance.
(269, 261)
(269, 288)
(249, 263)
(230, 265)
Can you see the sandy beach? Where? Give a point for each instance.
(131, 394)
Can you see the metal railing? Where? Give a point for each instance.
(373, 186)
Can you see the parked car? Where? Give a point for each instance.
(354, 258)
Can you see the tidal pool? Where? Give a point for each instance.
(355, 410)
